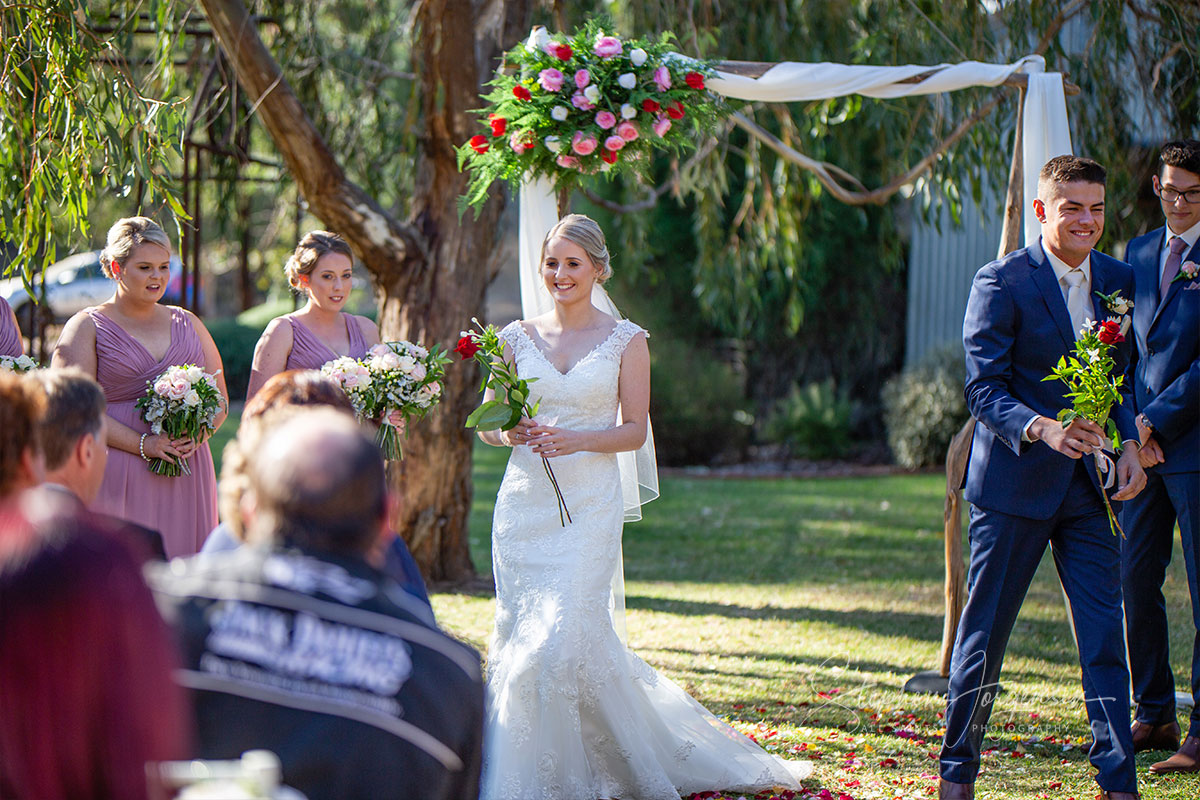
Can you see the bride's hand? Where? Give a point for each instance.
(517, 435)
(549, 442)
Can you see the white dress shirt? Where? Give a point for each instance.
(1190, 236)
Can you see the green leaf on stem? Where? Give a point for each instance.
(489, 416)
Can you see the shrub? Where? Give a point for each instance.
(697, 406)
(812, 421)
(923, 407)
(235, 341)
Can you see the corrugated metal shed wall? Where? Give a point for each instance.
(940, 268)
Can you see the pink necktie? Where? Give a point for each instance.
(1171, 268)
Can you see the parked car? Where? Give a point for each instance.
(75, 283)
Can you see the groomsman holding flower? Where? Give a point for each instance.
(1032, 483)
(1166, 385)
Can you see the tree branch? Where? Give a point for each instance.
(824, 171)
(341, 204)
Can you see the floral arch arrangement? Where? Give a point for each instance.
(562, 107)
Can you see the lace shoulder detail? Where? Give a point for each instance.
(614, 346)
(515, 337)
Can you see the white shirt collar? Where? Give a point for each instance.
(1061, 268)
(1190, 236)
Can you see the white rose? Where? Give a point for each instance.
(553, 144)
(628, 111)
(25, 362)
(418, 372)
(193, 374)
(592, 94)
(406, 364)
(560, 113)
(627, 80)
(191, 399)
(638, 57)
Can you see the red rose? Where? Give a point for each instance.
(563, 52)
(1110, 332)
(479, 143)
(650, 107)
(498, 124)
(467, 347)
(609, 155)
(694, 80)
(675, 110)
(521, 93)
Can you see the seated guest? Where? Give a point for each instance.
(22, 404)
(299, 646)
(86, 697)
(291, 388)
(73, 444)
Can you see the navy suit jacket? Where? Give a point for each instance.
(1166, 359)
(1016, 328)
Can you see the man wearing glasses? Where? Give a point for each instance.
(1166, 382)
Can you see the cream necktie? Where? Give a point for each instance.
(1077, 305)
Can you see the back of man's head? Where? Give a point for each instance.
(75, 408)
(318, 483)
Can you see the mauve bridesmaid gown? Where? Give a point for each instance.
(309, 352)
(10, 337)
(182, 509)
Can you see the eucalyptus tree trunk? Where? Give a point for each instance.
(431, 269)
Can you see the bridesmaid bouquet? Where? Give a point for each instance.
(181, 402)
(21, 363)
(503, 414)
(1093, 391)
(394, 376)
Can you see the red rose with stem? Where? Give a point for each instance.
(521, 93)
(650, 106)
(467, 347)
(498, 124)
(694, 79)
(609, 156)
(479, 143)
(675, 110)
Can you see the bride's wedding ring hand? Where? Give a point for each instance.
(519, 434)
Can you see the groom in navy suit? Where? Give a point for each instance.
(1032, 483)
(1166, 384)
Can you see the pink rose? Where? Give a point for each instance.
(551, 79)
(520, 141)
(614, 143)
(581, 102)
(582, 78)
(379, 350)
(162, 387)
(418, 372)
(662, 78)
(567, 162)
(607, 46)
(627, 131)
(350, 380)
(606, 119)
(583, 143)
(662, 125)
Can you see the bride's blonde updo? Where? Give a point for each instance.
(126, 235)
(306, 255)
(584, 232)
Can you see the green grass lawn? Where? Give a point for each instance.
(796, 609)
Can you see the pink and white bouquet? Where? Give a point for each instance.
(394, 378)
(183, 401)
(21, 363)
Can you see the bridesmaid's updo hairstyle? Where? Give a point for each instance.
(125, 236)
(306, 255)
(584, 232)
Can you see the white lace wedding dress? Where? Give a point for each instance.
(572, 713)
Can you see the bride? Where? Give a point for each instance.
(573, 714)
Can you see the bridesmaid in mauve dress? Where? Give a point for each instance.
(11, 343)
(125, 342)
(320, 332)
